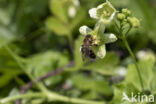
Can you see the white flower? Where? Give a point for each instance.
(105, 12)
(84, 30)
(72, 11)
(92, 13)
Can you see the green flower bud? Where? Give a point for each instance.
(133, 21)
(124, 21)
(121, 16)
(126, 12)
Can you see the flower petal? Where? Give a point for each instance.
(84, 30)
(102, 51)
(108, 38)
(93, 13)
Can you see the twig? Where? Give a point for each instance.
(52, 73)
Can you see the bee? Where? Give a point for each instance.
(86, 47)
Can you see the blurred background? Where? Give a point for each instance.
(44, 35)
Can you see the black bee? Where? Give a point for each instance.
(86, 47)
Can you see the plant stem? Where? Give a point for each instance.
(52, 97)
(74, 100)
(134, 59)
(28, 95)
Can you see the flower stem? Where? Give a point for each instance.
(134, 59)
(99, 27)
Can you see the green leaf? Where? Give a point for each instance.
(5, 79)
(146, 69)
(57, 26)
(41, 64)
(119, 89)
(104, 66)
(87, 83)
(8, 68)
(58, 10)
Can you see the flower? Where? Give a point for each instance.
(100, 40)
(104, 12)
